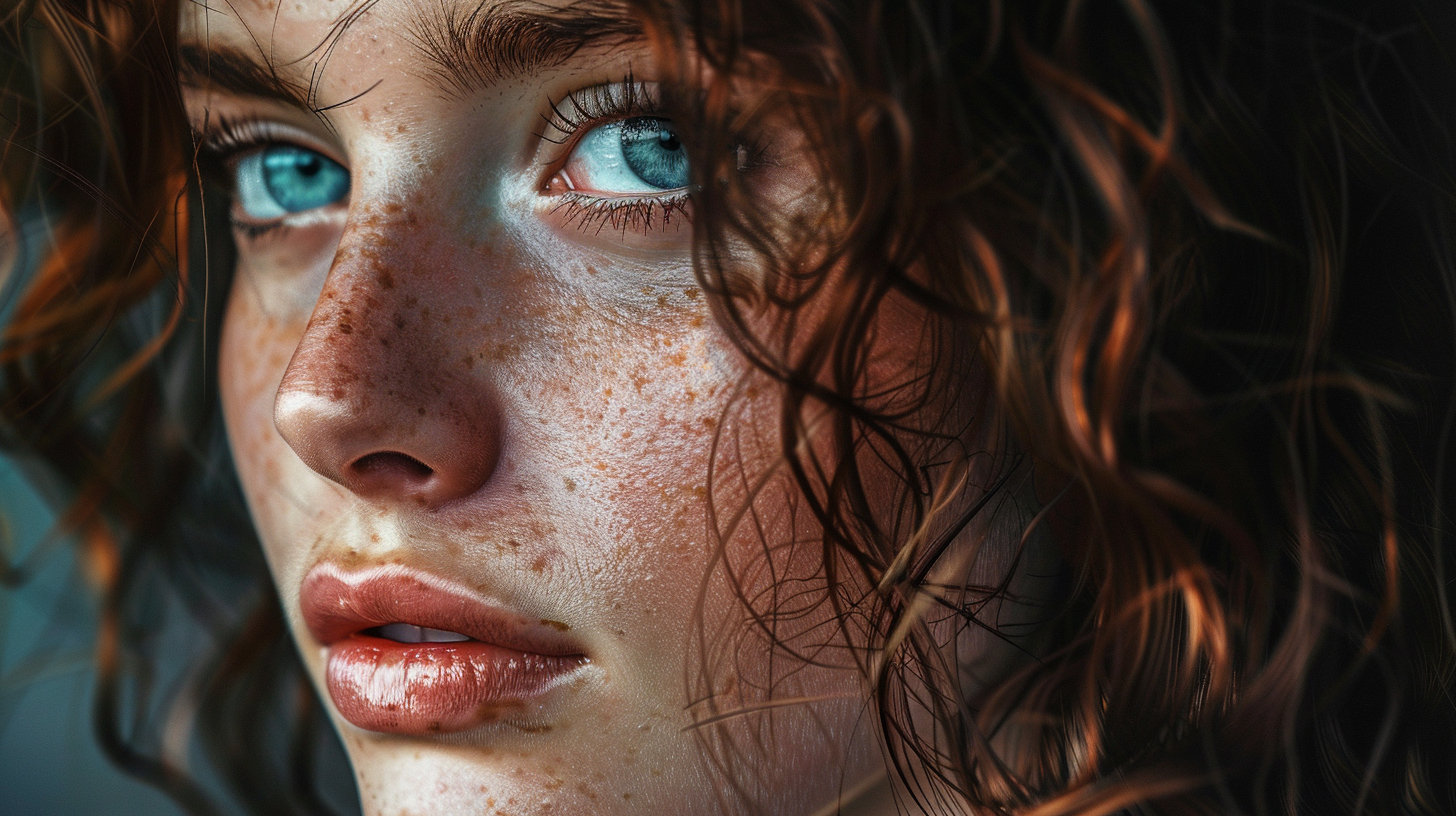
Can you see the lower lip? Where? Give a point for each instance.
(432, 688)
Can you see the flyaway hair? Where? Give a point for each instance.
(1190, 272)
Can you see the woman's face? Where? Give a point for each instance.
(473, 390)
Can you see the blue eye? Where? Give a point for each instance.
(637, 155)
(652, 151)
(283, 179)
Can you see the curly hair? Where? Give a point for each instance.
(1189, 273)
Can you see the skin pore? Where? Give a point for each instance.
(481, 356)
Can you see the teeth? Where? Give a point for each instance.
(409, 633)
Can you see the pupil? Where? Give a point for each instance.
(299, 179)
(652, 151)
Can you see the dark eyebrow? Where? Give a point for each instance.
(236, 71)
(467, 48)
(471, 48)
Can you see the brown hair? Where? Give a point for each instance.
(1196, 251)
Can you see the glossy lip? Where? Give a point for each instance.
(427, 688)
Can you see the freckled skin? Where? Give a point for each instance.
(565, 388)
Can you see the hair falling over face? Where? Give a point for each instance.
(1144, 510)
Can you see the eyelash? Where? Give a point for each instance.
(219, 143)
(225, 139)
(577, 113)
(621, 214)
(598, 104)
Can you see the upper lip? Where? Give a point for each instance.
(337, 603)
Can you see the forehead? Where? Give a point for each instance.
(285, 30)
(458, 45)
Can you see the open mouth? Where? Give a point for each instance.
(409, 633)
(410, 653)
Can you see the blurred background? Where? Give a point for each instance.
(50, 764)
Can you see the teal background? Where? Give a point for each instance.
(50, 764)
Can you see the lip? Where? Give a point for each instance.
(510, 663)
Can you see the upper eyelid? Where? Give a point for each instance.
(595, 104)
(261, 131)
(578, 112)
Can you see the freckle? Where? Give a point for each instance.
(538, 565)
(692, 292)
(662, 300)
(570, 485)
(345, 328)
(511, 542)
(374, 537)
(386, 279)
(696, 322)
(420, 410)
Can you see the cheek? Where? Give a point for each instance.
(630, 423)
(256, 346)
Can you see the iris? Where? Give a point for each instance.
(286, 179)
(652, 151)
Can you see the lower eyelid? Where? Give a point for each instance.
(253, 229)
(594, 215)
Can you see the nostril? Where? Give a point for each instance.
(389, 466)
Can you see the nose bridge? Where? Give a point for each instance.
(370, 398)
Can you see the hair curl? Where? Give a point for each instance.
(1198, 253)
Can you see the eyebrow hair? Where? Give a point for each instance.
(236, 71)
(467, 48)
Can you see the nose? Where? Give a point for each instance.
(371, 399)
